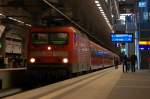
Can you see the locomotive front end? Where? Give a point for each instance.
(48, 49)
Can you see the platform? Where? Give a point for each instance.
(132, 86)
(11, 77)
(105, 84)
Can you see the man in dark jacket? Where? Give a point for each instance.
(133, 62)
(125, 65)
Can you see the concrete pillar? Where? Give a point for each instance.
(137, 52)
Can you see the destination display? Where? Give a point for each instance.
(124, 38)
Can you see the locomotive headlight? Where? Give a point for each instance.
(65, 60)
(32, 60)
(49, 48)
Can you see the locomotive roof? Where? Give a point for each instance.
(58, 28)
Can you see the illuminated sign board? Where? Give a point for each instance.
(122, 38)
(142, 4)
(144, 42)
(144, 47)
(99, 53)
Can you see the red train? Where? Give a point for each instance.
(67, 49)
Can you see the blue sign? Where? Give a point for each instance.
(124, 38)
(99, 53)
(144, 47)
(142, 4)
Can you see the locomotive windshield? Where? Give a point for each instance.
(49, 38)
(58, 38)
(39, 38)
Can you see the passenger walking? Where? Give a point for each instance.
(133, 62)
(125, 64)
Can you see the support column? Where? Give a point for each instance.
(137, 48)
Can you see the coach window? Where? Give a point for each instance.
(39, 38)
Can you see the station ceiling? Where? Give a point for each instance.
(82, 12)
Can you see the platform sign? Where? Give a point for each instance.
(99, 53)
(142, 4)
(122, 38)
(144, 47)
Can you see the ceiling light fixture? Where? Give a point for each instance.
(103, 14)
(100, 8)
(96, 1)
(2, 15)
(98, 4)
(16, 20)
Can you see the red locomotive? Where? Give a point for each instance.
(65, 48)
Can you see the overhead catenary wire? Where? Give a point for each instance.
(76, 24)
(68, 18)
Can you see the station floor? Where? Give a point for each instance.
(114, 85)
(132, 86)
(110, 84)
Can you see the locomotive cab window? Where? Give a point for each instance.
(58, 38)
(39, 38)
(50, 38)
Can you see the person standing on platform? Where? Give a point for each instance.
(125, 64)
(128, 63)
(133, 62)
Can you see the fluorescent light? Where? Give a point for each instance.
(102, 12)
(20, 21)
(96, 1)
(16, 20)
(12, 18)
(105, 18)
(108, 22)
(112, 31)
(100, 8)
(122, 16)
(104, 15)
(98, 4)
(2, 14)
(28, 25)
(125, 14)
